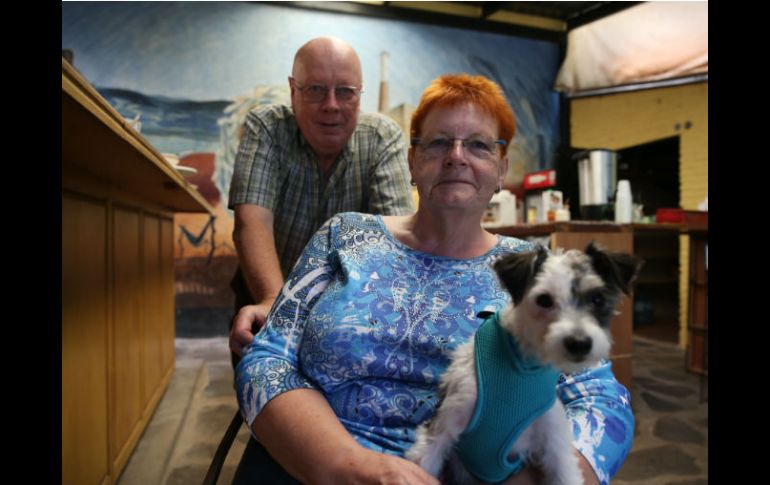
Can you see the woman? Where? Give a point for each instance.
(348, 364)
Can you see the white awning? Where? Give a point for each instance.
(647, 42)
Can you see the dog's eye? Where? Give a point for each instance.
(597, 299)
(544, 301)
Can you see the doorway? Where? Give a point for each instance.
(653, 171)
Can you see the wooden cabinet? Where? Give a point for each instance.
(118, 200)
(85, 308)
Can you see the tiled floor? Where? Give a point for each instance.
(670, 447)
(671, 410)
(191, 418)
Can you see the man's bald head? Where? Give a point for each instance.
(325, 51)
(328, 124)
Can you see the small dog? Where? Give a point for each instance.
(559, 321)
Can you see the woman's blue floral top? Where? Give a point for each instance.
(370, 322)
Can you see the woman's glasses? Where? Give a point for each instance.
(479, 148)
(315, 93)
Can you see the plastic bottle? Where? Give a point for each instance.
(623, 203)
(507, 207)
(501, 210)
(563, 214)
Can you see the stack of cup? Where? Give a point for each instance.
(623, 203)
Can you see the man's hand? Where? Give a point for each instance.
(246, 323)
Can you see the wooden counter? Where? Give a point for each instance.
(620, 237)
(527, 230)
(118, 200)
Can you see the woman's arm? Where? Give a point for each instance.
(599, 410)
(270, 363)
(303, 435)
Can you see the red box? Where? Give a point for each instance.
(540, 180)
(681, 216)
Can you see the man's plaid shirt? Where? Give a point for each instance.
(275, 168)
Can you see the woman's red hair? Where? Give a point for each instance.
(451, 90)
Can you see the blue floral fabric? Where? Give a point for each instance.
(370, 323)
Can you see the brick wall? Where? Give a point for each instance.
(622, 120)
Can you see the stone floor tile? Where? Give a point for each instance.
(677, 431)
(659, 404)
(186, 475)
(697, 481)
(660, 460)
(669, 390)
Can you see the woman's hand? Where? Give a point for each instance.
(363, 466)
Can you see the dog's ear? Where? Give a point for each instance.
(517, 270)
(617, 269)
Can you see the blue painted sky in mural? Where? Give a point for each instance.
(182, 61)
(173, 125)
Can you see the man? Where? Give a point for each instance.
(297, 167)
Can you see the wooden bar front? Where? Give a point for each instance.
(118, 200)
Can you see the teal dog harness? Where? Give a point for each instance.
(512, 392)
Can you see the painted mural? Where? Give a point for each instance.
(190, 71)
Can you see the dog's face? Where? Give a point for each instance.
(564, 302)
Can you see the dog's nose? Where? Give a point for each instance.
(578, 346)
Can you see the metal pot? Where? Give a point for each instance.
(597, 174)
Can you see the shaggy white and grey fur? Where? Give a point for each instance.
(562, 307)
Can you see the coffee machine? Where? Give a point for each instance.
(597, 178)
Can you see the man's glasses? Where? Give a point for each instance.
(315, 93)
(484, 149)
